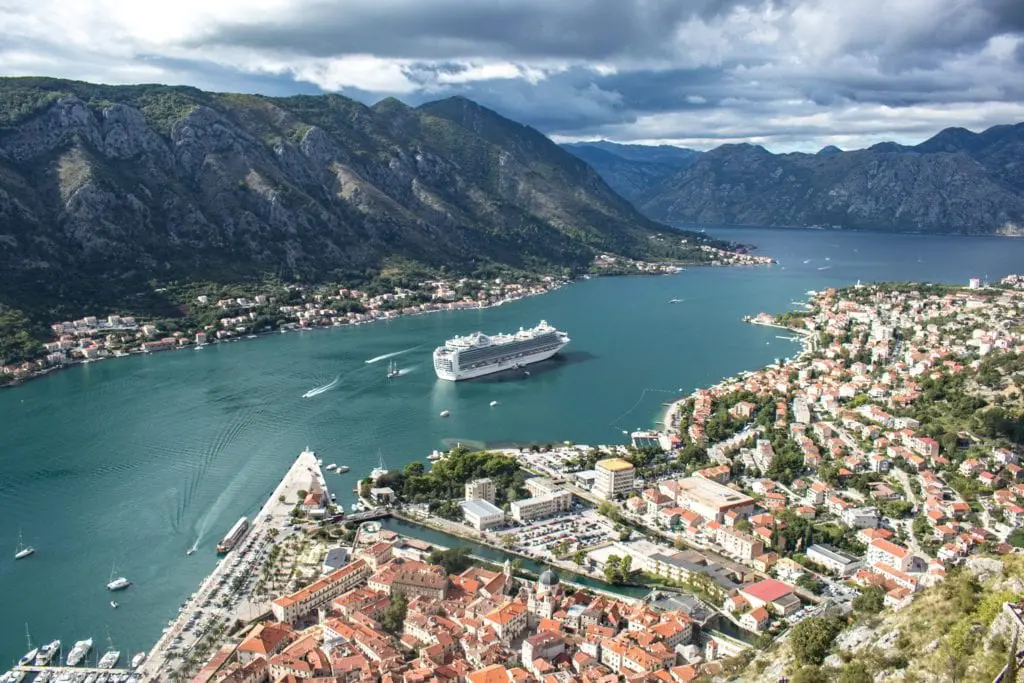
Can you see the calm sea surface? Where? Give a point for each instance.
(132, 461)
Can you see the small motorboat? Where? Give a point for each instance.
(113, 604)
(494, 403)
(445, 413)
(189, 551)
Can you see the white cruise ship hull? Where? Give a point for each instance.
(497, 366)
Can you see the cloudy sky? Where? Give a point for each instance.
(788, 74)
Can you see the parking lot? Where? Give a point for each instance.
(568, 532)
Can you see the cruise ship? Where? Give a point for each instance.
(478, 354)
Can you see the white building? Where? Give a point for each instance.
(614, 477)
(481, 489)
(482, 514)
(542, 506)
(833, 560)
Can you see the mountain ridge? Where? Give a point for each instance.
(108, 191)
(956, 181)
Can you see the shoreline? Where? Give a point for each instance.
(272, 515)
(258, 335)
(384, 318)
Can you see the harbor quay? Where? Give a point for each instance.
(227, 595)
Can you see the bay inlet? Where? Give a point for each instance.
(133, 461)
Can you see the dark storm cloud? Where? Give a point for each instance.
(440, 29)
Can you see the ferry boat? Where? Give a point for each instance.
(79, 651)
(236, 534)
(478, 354)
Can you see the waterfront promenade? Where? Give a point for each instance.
(178, 641)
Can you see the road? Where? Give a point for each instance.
(207, 607)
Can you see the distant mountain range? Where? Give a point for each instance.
(955, 182)
(108, 191)
(632, 170)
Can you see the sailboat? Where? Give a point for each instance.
(22, 550)
(380, 470)
(393, 370)
(120, 583)
(110, 657)
(32, 651)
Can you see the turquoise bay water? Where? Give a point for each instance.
(131, 461)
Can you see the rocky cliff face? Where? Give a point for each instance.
(957, 181)
(104, 189)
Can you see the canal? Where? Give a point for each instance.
(499, 556)
(434, 537)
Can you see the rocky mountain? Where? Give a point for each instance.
(107, 191)
(957, 181)
(631, 170)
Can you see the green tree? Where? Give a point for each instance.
(811, 638)
(870, 601)
(579, 557)
(392, 618)
(855, 672)
(414, 469)
(454, 560)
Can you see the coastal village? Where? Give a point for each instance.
(876, 462)
(231, 319)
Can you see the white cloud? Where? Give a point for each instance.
(796, 74)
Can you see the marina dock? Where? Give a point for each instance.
(70, 669)
(275, 514)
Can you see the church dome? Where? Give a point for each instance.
(548, 578)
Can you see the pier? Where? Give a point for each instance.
(178, 641)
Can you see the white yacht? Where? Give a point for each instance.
(46, 653)
(109, 659)
(22, 550)
(380, 470)
(138, 659)
(117, 584)
(79, 651)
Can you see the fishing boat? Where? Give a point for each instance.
(22, 550)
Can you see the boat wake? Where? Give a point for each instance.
(319, 390)
(824, 267)
(375, 359)
(406, 371)
(807, 260)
